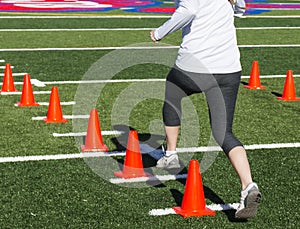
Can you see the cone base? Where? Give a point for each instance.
(19, 104)
(4, 91)
(133, 174)
(189, 213)
(46, 120)
(255, 87)
(288, 99)
(103, 148)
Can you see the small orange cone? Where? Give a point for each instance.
(93, 140)
(254, 81)
(8, 80)
(27, 97)
(193, 203)
(289, 90)
(133, 164)
(54, 114)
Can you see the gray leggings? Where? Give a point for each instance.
(221, 93)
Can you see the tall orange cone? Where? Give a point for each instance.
(193, 203)
(27, 97)
(93, 140)
(289, 90)
(133, 164)
(54, 114)
(254, 81)
(8, 84)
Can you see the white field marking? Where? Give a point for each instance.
(88, 48)
(104, 81)
(135, 48)
(47, 103)
(75, 29)
(20, 93)
(39, 83)
(147, 179)
(15, 74)
(247, 147)
(141, 80)
(3, 67)
(214, 207)
(270, 76)
(38, 118)
(270, 46)
(270, 17)
(48, 157)
(263, 28)
(61, 103)
(130, 29)
(81, 134)
(34, 82)
(2, 61)
(118, 153)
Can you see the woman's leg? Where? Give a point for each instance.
(171, 137)
(238, 158)
(221, 101)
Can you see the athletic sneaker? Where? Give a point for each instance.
(250, 199)
(170, 162)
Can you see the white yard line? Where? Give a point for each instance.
(264, 28)
(87, 48)
(140, 80)
(39, 118)
(109, 154)
(20, 93)
(75, 29)
(131, 29)
(15, 74)
(81, 134)
(39, 83)
(271, 17)
(214, 207)
(147, 179)
(3, 67)
(103, 81)
(47, 103)
(61, 103)
(136, 48)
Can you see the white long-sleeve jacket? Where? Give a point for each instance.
(209, 43)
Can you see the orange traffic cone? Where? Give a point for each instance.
(8, 80)
(27, 97)
(289, 90)
(93, 140)
(254, 81)
(54, 114)
(193, 203)
(133, 164)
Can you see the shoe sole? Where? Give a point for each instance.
(251, 204)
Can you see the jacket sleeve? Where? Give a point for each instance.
(183, 15)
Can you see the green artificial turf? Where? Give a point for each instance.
(75, 193)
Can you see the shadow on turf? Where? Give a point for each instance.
(121, 141)
(150, 159)
(213, 197)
